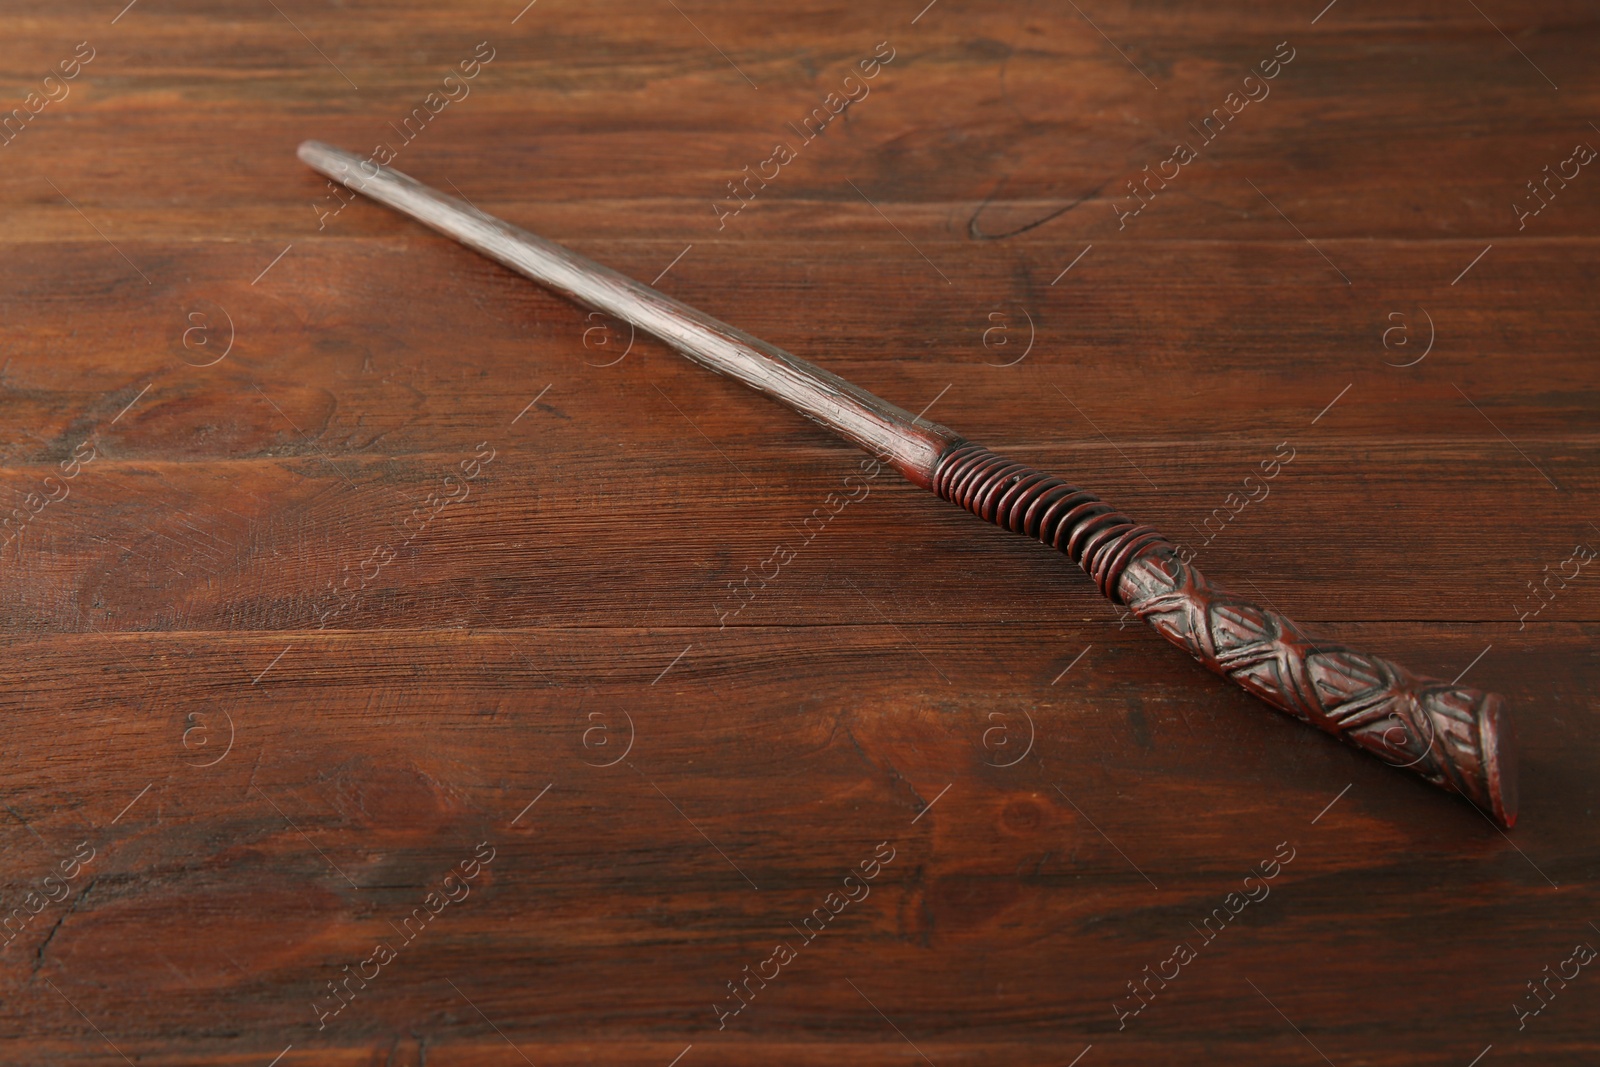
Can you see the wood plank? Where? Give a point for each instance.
(280, 716)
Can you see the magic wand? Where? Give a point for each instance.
(1453, 736)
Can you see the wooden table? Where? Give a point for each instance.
(273, 702)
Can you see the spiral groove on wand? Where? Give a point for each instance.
(1097, 537)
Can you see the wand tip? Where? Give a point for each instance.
(326, 159)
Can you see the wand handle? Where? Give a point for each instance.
(1454, 736)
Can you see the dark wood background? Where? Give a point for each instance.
(267, 789)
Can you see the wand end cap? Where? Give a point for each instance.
(1499, 761)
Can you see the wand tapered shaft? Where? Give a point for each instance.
(911, 443)
(1453, 736)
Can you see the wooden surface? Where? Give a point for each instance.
(182, 595)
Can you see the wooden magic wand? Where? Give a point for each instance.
(1453, 736)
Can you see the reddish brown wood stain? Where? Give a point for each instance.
(905, 656)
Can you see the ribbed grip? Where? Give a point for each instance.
(1454, 736)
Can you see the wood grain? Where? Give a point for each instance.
(881, 686)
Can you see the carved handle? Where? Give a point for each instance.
(1454, 736)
